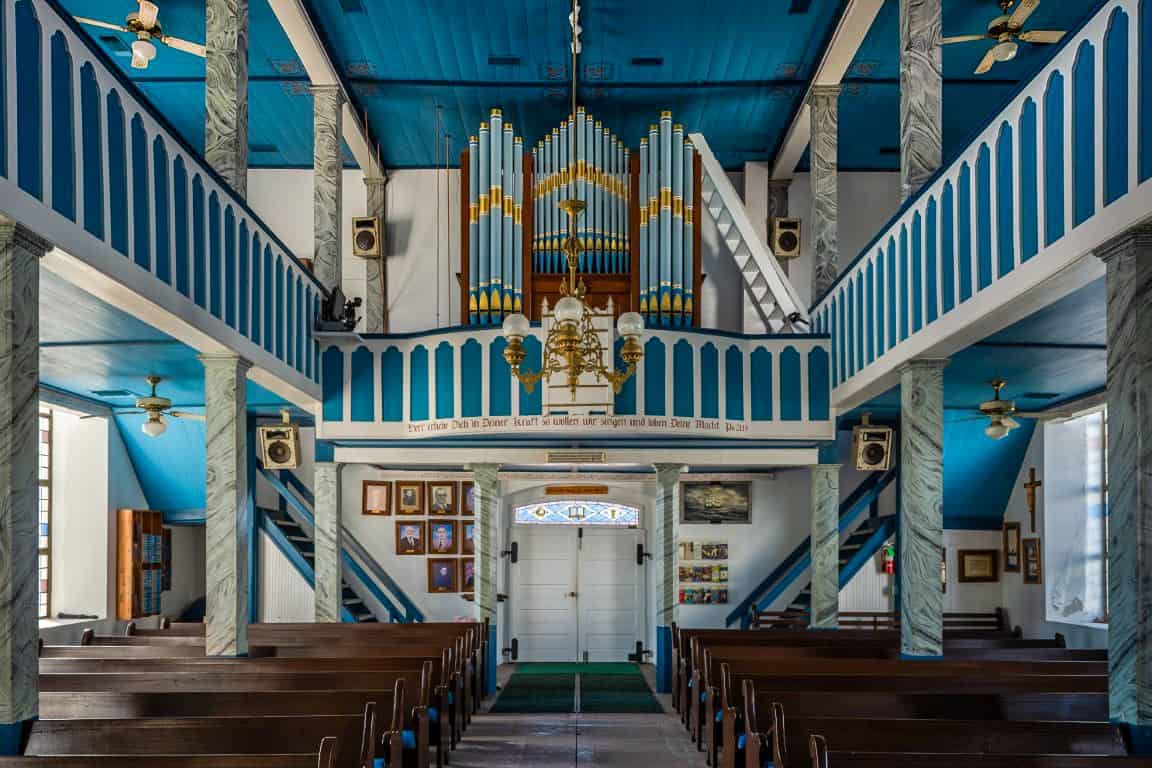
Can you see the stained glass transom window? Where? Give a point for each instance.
(578, 513)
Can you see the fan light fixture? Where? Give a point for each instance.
(155, 425)
(1005, 50)
(997, 430)
(143, 51)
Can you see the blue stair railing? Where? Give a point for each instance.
(297, 501)
(799, 560)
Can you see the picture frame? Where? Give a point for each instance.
(1011, 548)
(716, 503)
(468, 499)
(442, 575)
(1033, 561)
(442, 537)
(376, 498)
(468, 575)
(978, 565)
(407, 544)
(467, 537)
(410, 497)
(442, 501)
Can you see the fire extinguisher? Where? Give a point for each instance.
(889, 554)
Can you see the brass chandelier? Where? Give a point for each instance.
(573, 345)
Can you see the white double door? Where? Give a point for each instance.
(578, 594)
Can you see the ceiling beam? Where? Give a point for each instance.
(850, 32)
(322, 70)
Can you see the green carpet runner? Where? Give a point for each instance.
(550, 688)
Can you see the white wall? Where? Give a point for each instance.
(188, 563)
(284, 594)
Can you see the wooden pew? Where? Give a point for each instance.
(822, 757)
(324, 758)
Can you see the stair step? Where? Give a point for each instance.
(353, 601)
(295, 537)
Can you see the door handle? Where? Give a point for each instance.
(572, 594)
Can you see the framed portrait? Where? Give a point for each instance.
(409, 498)
(1033, 563)
(377, 497)
(468, 539)
(442, 537)
(978, 565)
(442, 575)
(1011, 547)
(715, 503)
(468, 575)
(409, 537)
(442, 499)
(468, 495)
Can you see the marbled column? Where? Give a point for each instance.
(329, 537)
(1129, 285)
(327, 167)
(921, 508)
(226, 91)
(20, 253)
(376, 289)
(825, 546)
(921, 102)
(487, 501)
(825, 248)
(664, 572)
(227, 529)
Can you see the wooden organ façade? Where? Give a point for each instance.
(640, 233)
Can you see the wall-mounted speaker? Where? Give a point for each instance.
(872, 447)
(366, 237)
(280, 446)
(785, 237)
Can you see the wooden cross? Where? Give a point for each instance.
(1030, 488)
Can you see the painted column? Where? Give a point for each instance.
(664, 574)
(226, 91)
(376, 288)
(778, 207)
(1129, 284)
(825, 247)
(487, 541)
(921, 102)
(20, 252)
(825, 546)
(227, 529)
(327, 167)
(329, 542)
(922, 508)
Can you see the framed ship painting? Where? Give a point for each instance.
(716, 503)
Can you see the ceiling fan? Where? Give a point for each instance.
(157, 408)
(1000, 412)
(1006, 29)
(144, 24)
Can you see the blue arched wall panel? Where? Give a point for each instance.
(709, 382)
(500, 379)
(1116, 106)
(733, 383)
(1084, 134)
(243, 286)
(761, 384)
(870, 326)
(654, 376)
(363, 385)
(269, 300)
(905, 274)
(983, 218)
(63, 130)
(947, 249)
(257, 290)
(1005, 203)
(819, 390)
(931, 278)
(418, 384)
(890, 269)
(212, 271)
(92, 147)
(625, 403)
(199, 247)
(1054, 159)
(163, 268)
(881, 303)
(180, 225)
(333, 384)
(471, 379)
(141, 192)
(29, 132)
(392, 385)
(683, 380)
(4, 95)
(917, 273)
(964, 231)
(445, 380)
(118, 175)
(1145, 91)
(531, 403)
(791, 396)
(229, 276)
(1029, 197)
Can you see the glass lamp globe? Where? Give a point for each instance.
(515, 326)
(630, 324)
(154, 426)
(568, 310)
(996, 430)
(1005, 51)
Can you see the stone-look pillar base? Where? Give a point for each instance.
(1129, 284)
(226, 91)
(664, 544)
(825, 244)
(327, 171)
(487, 541)
(20, 252)
(228, 526)
(825, 612)
(922, 508)
(329, 543)
(921, 100)
(376, 287)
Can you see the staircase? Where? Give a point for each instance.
(290, 529)
(764, 280)
(866, 533)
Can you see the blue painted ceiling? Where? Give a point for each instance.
(734, 71)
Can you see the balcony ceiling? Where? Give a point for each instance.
(735, 72)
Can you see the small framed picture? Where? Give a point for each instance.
(468, 541)
(1011, 547)
(442, 537)
(468, 494)
(1033, 564)
(442, 575)
(442, 499)
(409, 498)
(409, 537)
(377, 497)
(978, 565)
(468, 575)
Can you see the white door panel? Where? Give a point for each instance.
(611, 594)
(544, 576)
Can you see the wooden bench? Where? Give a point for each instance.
(324, 758)
(821, 757)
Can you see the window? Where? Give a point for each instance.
(599, 513)
(45, 504)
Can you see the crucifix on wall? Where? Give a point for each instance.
(1030, 490)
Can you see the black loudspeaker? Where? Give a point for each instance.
(785, 237)
(280, 446)
(366, 237)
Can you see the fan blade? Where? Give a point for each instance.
(1042, 36)
(986, 62)
(183, 45)
(147, 14)
(186, 415)
(101, 24)
(1022, 12)
(962, 39)
(1009, 422)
